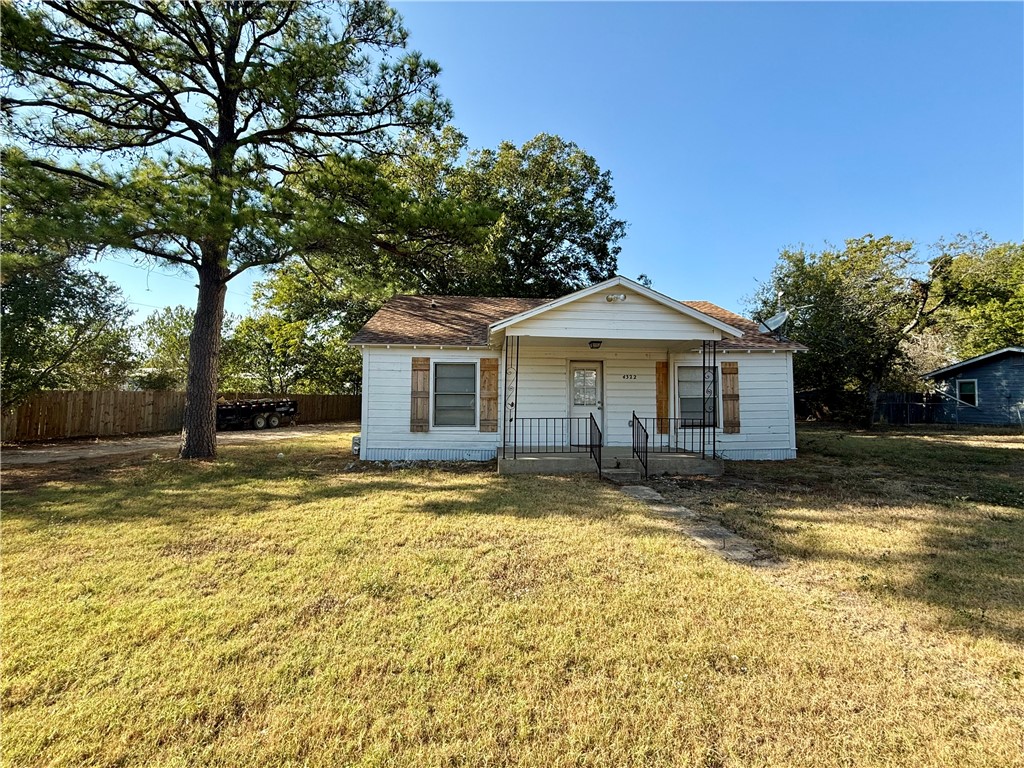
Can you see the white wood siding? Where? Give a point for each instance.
(767, 427)
(593, 317)
(387, 383)
(544, 384)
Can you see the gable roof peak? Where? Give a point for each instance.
(636, 287)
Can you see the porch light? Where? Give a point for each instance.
(595, 345)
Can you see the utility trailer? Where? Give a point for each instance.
(258, 414)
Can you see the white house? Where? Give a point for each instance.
(614, 370)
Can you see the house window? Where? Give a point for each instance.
(454, 394)
(967, 391)
(698, 395)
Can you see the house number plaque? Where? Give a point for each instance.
(629, 376)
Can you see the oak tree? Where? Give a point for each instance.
(859, 305)
(61, 327)
(535, 220)
(985, 284)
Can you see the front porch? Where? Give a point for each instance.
(611, 377)
(573, 407)
(568, 445)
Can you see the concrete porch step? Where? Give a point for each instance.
(621, 476)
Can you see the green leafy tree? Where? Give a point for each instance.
(389, 226)
(46, 216)
(556, 232)
(270, 354)
(533, 221)
(206, 111)
(986, 295)
(861, 304)
(332, 366)
(266, 354)
(62, 328)
(163, 341)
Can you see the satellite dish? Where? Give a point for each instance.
(774, 322)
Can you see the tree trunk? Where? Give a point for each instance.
(199, 428)
(870, 403)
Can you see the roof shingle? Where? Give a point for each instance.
(439, 320)
(752, 336)
(462, 321)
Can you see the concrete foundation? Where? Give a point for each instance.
(611, 458)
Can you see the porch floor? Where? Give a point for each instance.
(612, 457)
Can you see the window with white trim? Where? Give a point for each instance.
(455, 394)
(697, 392)
(967, 391)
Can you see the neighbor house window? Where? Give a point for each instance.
(454, 394)
(967, 391)
(698, 395)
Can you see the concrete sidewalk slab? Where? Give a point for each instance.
(709, 534)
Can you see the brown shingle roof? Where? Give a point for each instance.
(462, 321)
(457, 320)
(752, 336)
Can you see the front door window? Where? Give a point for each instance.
(584, 386)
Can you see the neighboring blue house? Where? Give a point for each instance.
(987, 389)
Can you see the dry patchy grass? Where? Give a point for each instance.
(256, 611)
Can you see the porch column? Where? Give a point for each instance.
(511, 396)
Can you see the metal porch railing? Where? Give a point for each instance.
(565, 434)
(676, 435)
(595, 444)
(641, 441)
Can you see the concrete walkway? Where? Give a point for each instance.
(709, 534)
(167, 445)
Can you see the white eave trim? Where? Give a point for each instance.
(618, 280)
(414, 345)
(970, 361)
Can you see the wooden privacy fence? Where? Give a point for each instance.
(60, 414)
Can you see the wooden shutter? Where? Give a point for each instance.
(730, 398)
(489, 394)
(661, 393)
(419, 411)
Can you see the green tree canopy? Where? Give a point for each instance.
(269, 354)
(534, 220)
(860, 305)
(986, 288)
(556, 232)
(163, 342)
(62, 328)
(188, 120)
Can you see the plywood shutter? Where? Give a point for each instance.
(730, 398)
(489, 394)
(661, 390)
(419, 411)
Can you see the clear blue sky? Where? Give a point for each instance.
(733, 130)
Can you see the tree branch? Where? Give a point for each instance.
(69, 172)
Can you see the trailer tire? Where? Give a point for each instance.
(259, 421)
(273, 420)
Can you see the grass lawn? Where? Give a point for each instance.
(303, 611)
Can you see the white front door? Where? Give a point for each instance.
(585, 399)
